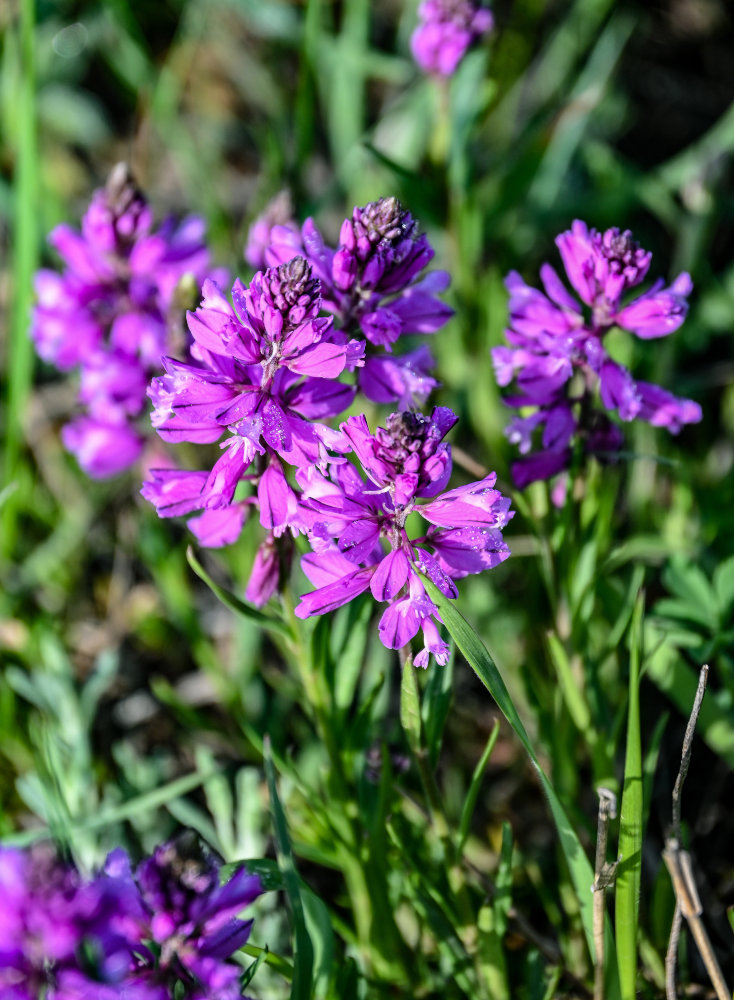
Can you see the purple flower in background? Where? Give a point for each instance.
(373, 283)
(446, 30)
(278, 212)
(264, 371)
(113, 313)
(190, 918)
(558, 361)
(363, 533)
(169, 929)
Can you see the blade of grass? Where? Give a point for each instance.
(301, 988)
(118, 814)
(627, 895)
(471, 796)
(25, 261)
(234, 603)
(478, 658)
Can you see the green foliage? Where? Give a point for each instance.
(138, 694)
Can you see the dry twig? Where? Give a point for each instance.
(604, 874)
(678, 862)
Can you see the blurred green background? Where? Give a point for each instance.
(122, 672)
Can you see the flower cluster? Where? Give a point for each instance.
(113, 313)
(558, 359)
(373, 284)
(364, 532)
(166, 930)
(264, 375)
(265, 372)
(446, 31)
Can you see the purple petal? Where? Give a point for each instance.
(335, 594)
(390, 576)
(216, 528)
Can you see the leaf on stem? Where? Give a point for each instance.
(301, 988)
(234, 603)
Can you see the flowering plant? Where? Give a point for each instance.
(558, 359)
(114, 312)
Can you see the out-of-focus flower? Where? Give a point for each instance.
(558, 361)
(278, 212)
(446, 30)
(113, 313)
(373, 282)
(351, 519)
(168, 930)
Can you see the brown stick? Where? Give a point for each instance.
(678, 863)
(603, 877)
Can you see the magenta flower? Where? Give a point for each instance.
(265, 370)
(446, 30)
(372, 283)
(278, 212)
(351, 519)
(168, 930)
(112, 314)
(558, 360)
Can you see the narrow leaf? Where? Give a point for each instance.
(471, 796)
(234, 603)
(478, 658)
(301, 988)
(630, 824)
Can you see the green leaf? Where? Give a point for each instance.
(252, 969)
(301, 988)
(471, 796)
(319, 927)
(572, 695)
(142, 804)
(279, 964)
(688, 582)
(266, 869)
(410, 708)
(234, 603)
(627, 895)
(724, 585)
(435, 708)
(503, 882)
(483, 665)
(678, 681)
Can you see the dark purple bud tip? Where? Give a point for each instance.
(292, 284)
(625, 255)
(124, 198)
(384, 221)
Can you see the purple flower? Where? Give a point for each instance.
(278, 212)
(558, 360)
(112, 313)
(373, 282)
(446, 30)
(263, 371)
(350, 519)
(169, 929)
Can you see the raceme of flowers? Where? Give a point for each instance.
(363, 531)
(167, 929)
(266, 368)
(373, 283)
(446, 30)
(113, 313)
(558, 360)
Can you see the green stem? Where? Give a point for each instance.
(410, 717)
(25, 241)
(377, 931)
